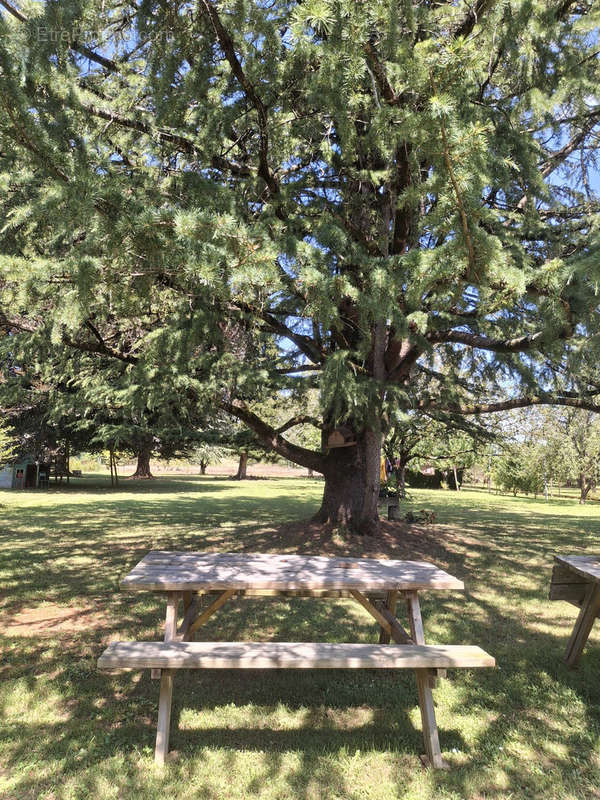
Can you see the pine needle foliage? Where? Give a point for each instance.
(246, 199)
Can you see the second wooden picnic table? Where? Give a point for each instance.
(576, 579)
(376, 584)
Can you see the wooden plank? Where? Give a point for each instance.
(588, 567)
(373, 611)
(163, 728)
(567, 585)
(315, 593)
(163, 571)
(562, 574)
(569, 592)
(190, 615)
(171, 616)
(202, 618)
(165, 698)
(430, 731)
(170, 625)
(289, 655)
(397, 632)
(322, 593)
(414, 618)
(589, 611)
(390, 604)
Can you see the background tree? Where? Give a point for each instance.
(330, 194)
(205, 453)
(520, 468)
(7, 444)
(446, 442)
(551, 445)
(571, 443)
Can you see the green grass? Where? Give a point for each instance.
(529, 729)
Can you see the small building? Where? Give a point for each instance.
(24, 473)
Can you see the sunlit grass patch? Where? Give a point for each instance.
(528, 729)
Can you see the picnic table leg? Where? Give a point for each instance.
(390, 603)
(430, 731)
(589, 611)
(166, 685)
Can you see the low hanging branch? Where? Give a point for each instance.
(516, 402)
(271, 437)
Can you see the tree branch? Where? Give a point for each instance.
(184, 144)
(228, 47)
(555, 159)
(517, 402)
(299, 419)
(303, 368)
(378, 71)
(472, 18)
(99, 348)
(107, 63)
(516, 345)
(271, 439)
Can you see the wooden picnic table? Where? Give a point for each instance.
(376, 584)
(576, 579)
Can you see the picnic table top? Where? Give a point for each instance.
(586, 566)
(162, 570)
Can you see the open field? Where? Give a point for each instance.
(529, 729)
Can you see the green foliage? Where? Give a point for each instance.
(388, 204)
(517, 470)
(553, 444)
(7, 444)
(204, 454)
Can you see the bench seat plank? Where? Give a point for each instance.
(288, 655)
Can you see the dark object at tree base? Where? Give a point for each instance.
(428, 517)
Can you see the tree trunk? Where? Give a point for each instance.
(114, 475)
(143, 463)
(242, 472)
(352, 485)
(203, 465)
(585, 487)
(456, 483)
(401, 473)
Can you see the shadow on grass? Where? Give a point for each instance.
(528, 729)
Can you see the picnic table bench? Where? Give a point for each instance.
(375, 584)
(576, 579)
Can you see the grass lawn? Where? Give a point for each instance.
(529, 729)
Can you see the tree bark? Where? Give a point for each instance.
(242, 472)
(352, 486)
(585, 486)
(203, 465)
(143, 463)
(401, 473)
